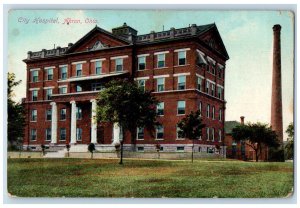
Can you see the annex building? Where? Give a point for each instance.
(185, 69)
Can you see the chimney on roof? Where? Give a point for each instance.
(172, 32)
(152, 35)
(242, 120)
(193, 29)
(70, 45)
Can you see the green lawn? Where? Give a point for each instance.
(147, 178)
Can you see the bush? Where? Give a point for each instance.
(276, 155)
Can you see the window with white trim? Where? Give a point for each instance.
(62, 90)
(207, 110)
(160, 84)
(212, 134)
(179, 133)
(63, 113)
(33, 135)
(199, 84)
(78, 70)
(140, 133)
(207, 87)
(63, 72)
(33, 115)
(220, 114)
(219, 92)
(141, 62)
(213, 112)
(35, 76)
(159, 132)
(181, 82)
(48, 114)
(160, 108)
(180, 149)
(98, 67)
(141, 83)
(207, 133)
(181, 107)
(48, 94)
(212, 89)
(97, 86)
(48, 134)
(119, 65)
(182, 58)
(220, 135)
(78, 88)
(161, 60)
(34, 95)
(78, 113)
(200, 108)
(140, 149)
(62, 134)
(78, 134)
(50, 74)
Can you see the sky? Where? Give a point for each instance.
(247, 35)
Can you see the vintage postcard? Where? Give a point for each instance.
(150, 103)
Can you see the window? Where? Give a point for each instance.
(212, 135)
(63, 134)
(78, 113)
(33, 134)
(140, 133)
(181, 57)
(220, 114)
(220, 135)
(159, 132)
(48, 114)
(210, 150)
(48, 134)
(181, 107)
(180, 149)
(48, 94)
(34, 115)
(63, 113)
(181, 82)
(213, 112)
(78, 134)
(207, 87)
(161, 148)
(199, 149)
(213, 70)
(160, 84)
(141, 83)
(219, 92)
(97, 86)
(200, 108)
(62, 90)
(78, 70)
(213, 89)
(119, 65)
(160, 108)
(179, 133)
(98, 67)
(160, 60)
(34, 94)
(63, 73)
(142, 63)
(199, 83)
(50, 74)
(140, 149)
(207, 133)
(78, 88)
(207, 111)
(35, 76)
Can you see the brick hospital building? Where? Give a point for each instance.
(185, 69)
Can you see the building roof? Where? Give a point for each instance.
(229, 125)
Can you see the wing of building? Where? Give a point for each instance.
(184, 67)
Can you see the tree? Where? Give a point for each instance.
(15, 112)
(91, 148)
(123, 102)
(289, 148)
(191, 127)
(256, 136)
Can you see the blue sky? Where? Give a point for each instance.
(247, 35)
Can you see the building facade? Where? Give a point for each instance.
(185, 69)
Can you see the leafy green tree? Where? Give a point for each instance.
(123, 102)
(15, 112)
(256, 136)
(289, 148)
(91, 148)
(191, 127)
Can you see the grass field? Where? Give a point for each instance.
(147, 178)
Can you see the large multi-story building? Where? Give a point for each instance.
(184, 67)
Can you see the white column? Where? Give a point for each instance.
(116, 133)
(73, 122)
(94, 122)
(54, 123)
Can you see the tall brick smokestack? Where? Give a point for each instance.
(242, 120)
(276, 103)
